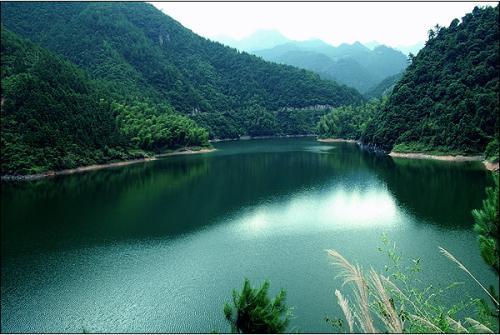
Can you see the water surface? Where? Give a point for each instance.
(158, 246)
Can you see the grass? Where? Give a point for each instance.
(394, 304)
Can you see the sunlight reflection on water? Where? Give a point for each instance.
(334, 209)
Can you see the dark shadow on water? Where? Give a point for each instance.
(436, 192)
(179, 195)
(165, 198)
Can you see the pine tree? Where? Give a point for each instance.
(486, 227)
(254, 312)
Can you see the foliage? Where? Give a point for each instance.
(348, 122)
(491, 151)
(55, 117)
(384, 87)
(254, 312)
(448, 96)
(158, 128)
(399, 304)
(486, 226)
(255, 120)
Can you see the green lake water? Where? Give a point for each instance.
(158, 246)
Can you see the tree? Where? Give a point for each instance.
(254, 312)
(486, 226)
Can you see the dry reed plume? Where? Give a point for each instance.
(373, 300)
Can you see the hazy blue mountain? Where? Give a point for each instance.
(371, 45)
(261, 39)
(354, 64)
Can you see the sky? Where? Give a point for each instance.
(394, 24)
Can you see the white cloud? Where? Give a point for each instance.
(335, 22)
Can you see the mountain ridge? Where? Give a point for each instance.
(354, 64)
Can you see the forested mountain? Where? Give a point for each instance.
(54, 116)
(141, 51)
(447, 99)
(50, 110)
(351, 64)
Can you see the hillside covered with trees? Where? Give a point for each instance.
(138, 51)
(384, 88)
(447, 99)
(445, 102)
(55, 117)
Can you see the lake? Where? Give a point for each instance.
(158, 246)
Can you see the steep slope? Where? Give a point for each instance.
(54, 116)
(447, 100)
(140, 51)
(51, 111)
(351, 64)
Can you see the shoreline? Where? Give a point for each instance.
(493, 167)
(490, 166)
(419, 155)
(94, 167)
(336, 140)
(248, 137)
(449, 158)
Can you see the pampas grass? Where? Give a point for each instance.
(447, 254)
(373, 298)
(344, 305)
(351, 273)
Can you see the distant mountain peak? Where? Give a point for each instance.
(353, 64)
(267, 32)
(259, 39)
(371, 45)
